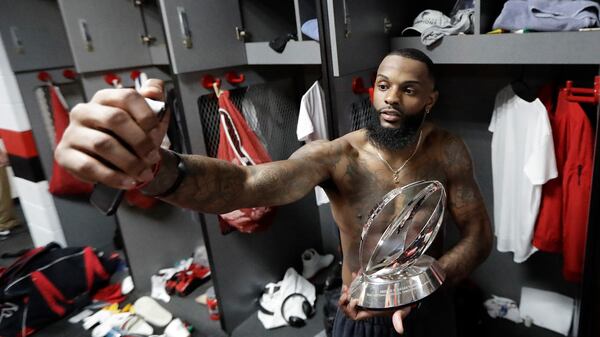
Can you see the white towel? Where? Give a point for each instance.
(292, 283)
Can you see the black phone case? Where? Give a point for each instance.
(106, 199)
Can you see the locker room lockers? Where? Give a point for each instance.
(183, 41)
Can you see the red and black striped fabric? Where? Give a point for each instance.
(23, 154)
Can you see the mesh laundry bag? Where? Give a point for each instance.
(240, 145)
(62, 182)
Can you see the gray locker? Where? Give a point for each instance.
(153, 19)
(202, 34)
(33, 42)
(357, 30)
(105, 34)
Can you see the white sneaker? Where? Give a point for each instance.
(312, 262)
(152, 312)
(176, 329)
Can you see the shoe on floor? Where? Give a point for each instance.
(312, 262)
(12, 225)
(152, 312)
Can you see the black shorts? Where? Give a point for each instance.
(434, 317)
(372, 327)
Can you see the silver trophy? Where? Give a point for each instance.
(394, 269)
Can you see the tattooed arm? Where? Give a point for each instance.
(217, 186)
(114, 139)
(468, 211)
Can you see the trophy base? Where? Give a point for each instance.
(416, 282)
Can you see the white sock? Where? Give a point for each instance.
(158, 288)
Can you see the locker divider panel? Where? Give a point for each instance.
(589, 309)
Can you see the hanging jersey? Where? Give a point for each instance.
(522, 161)
(239, 145)
(548, 227)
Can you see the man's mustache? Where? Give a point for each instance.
(390, 109)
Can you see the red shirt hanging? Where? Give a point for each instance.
(240, 145)
(563, 217)
(62, 182)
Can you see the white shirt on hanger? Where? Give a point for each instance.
(522, 161)
(312, 126)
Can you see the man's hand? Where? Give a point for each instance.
(114, 139)
(349, 307)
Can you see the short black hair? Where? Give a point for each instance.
(417, 55)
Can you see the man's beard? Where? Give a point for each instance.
(394, 138)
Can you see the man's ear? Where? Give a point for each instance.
(433, 97)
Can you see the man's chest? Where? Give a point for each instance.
(364, 181)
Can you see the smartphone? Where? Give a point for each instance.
(107, 199)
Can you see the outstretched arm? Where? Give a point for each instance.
(217, 186)
(114, 139)
(467, 208)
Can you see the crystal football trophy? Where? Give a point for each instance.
(394, 269)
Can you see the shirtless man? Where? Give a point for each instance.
(355, 170)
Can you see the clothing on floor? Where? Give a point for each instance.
(272, 299)
(504, 308)
(522, 161)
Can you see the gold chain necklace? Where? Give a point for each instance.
(396, 173)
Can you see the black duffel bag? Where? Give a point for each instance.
(48, 283)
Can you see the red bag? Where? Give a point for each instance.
(240, 145)
(62, 182)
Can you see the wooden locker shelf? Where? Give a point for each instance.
(528, 48)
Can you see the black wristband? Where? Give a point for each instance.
(181, 173)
